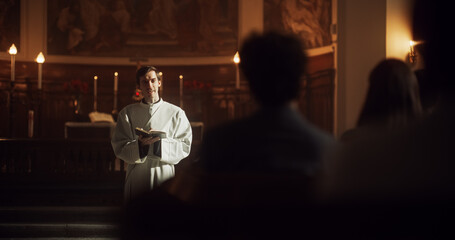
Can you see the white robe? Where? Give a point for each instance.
(145, 173)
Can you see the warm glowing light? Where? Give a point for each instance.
(181, 77)
(40, 58)
(116, 74)
(95, 77)
(236, 58)
(412, 54)
(12, 50)
(160, 73)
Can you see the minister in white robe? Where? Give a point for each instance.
(150, 160)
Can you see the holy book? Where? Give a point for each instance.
(150, 133)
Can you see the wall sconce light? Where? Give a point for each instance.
(412, 53)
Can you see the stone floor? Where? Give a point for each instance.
(70, 209)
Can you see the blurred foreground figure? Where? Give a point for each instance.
(392, 101)
(401, 184)
(276, 139)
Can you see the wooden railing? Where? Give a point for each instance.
(69, 157)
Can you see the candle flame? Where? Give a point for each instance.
(95, 77)
(40, 58)
(411, 43)
(236, 58)
(160, 73)
(181, 77)
(12, 50)
(116, 74)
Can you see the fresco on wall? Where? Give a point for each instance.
(142, 28)
(309, 19)
(9, 24)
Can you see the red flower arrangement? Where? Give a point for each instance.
(76, 87)
(196, 85)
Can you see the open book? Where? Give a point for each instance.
(150, 133)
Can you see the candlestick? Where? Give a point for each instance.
(237, 75)
(13, 51)
(181, 90)
(40, 60)
(95, 79)
(30, 123)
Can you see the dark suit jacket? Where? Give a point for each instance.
(274, 140)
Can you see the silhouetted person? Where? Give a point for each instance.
(276, 139)
(260, 169)
(392, 101)
(406, 178)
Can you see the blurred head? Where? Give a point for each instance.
(393, 95)
(273, 65)
(148, 81)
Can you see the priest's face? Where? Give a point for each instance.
(149, 85)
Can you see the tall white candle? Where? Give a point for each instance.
(181, 90)
(95, 80)
(13, 51)
(237, 76)
(161, 86)
(115, 82)
(40, 60)
(114, 111)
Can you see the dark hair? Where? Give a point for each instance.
(393, 95)
(144, 70)
(273, 63)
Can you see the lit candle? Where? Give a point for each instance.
(161, 86)
(237, 75)
(13, 51)
(114, 111)
(115, 82)
(181, 90)
(95, 79)
(40, 60)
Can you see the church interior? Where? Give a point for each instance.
(68, 67)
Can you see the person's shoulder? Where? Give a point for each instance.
(308, 129)
(171, 107)
(235, 130)
(130, 107)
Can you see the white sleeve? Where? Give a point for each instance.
(123, 141)
(177, 145)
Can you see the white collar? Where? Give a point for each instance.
(151, 105)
